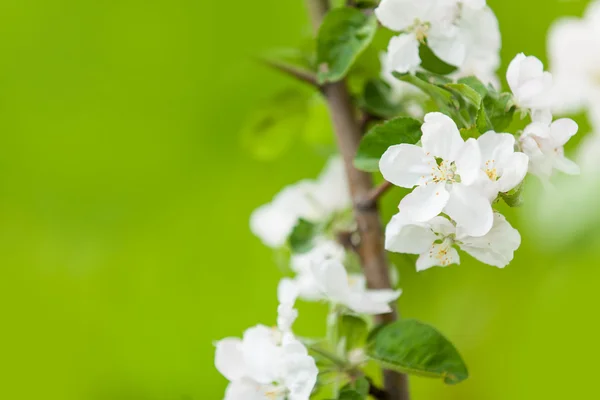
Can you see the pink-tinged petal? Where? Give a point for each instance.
(470, 209)
(405, 165)
(441, 137)
(405, 236)
(425, 202)
(468, 162)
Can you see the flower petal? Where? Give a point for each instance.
(441, 137)
(449, 48)
(405, 236)
(403, 53)
(439, 255)
(332, 277)
(495, 248)
(372, 302)
(496, 146)
(405, 165)
(299, 370)
(470, 209)
(244, 389)
(261, 354)
(398, 15)
(514, 169)
(565, 165)
(468, 162)
(514, 71)
(229, 359)
(425, 202)
(562, 130)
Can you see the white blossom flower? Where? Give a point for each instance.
(444, 170)
(503, 168)
(574, 51)
(431, 20)
(312, 200)
(306, 285)
(268, 363)
(480, 32)
(435, 241)
(530, 84)
(543, 141)
(338, 287)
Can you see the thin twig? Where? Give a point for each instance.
(371, 247)
(373, 196)
(297, 73)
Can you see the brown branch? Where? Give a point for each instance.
(297, 73)
(371, 247)
(374, 194)
(377, 392)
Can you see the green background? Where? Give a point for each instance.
(124, 202)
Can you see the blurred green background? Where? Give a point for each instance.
(124, 202)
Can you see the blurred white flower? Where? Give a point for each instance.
(530, 84)
(411, 98)
(431, 20)
(503, 169)
(435, 241)
(543, 141)
(311, 200)
(337, 287)
(444, 170)
(574, 50)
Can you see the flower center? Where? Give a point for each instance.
(420, 29)
(441, 251)
(275, 392)
(491, 170)
(444, 171)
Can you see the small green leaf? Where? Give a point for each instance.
(474, 84)
(354, 330)
(357, 390)
(344, 34)
(376, 99)
(469, 94)
(413, 347)
(432, 63)
(442, 97)
(499, 109)
(302, 236)
(380, 137)
(366, 3)
(514, 198)
(350, 394)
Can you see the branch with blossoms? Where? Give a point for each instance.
(443, 130)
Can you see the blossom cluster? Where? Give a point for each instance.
(455, 182)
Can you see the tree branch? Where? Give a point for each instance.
(374, 194)
(300, 74)
(371, 247)
(376, 392)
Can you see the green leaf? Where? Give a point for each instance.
(366, 3)
(350, 394)
(357, 390)
(514, 198)
(469, 94)
(499, 109)
(474, 84)
(380, 137)
(412, 347)
(376, 99)
(302, 236)
(432, 63)
(354, 330)
(442, 97)
(344, 34)
(271, 129)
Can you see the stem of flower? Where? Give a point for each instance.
(371, 247)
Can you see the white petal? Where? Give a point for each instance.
(331, 190)
(333, 279)
(450, 49)
(476, 4)
(229, 359)
(271, 225)
(496, 146)
(514, 71)
(405, 165)
(565, 165)
(442, 226)
(543, 117)
(468, 162)
(372, 302)
(403, 53)
(261, 354)
(299, 371)
(404, 236)
(287, 291)
(244, 389)
(514, 169)
(562, 130)
(425, 202)
(441, 137)
(398, 15)
(439, 255)
(495, 248)
(470, 209)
